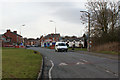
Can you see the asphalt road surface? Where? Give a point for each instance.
(76, 65)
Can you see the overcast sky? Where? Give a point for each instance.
(35, 14)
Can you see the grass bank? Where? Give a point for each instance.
(20, 63)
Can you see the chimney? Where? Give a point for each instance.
(15, 32)
(8, 30)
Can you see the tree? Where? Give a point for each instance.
(103, 20)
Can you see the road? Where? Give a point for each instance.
(76, 65)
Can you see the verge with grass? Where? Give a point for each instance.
(78, 49)
(20, 63)
(108, 52)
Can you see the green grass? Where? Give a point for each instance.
(108, 52)
(78, 49)
(20, 63)
(104, 52)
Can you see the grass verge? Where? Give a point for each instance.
(108, 52)
(78, 49)
(20, 63)
(103, 52)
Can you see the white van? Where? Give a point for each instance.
(61, 46)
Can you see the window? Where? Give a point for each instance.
(61, 44)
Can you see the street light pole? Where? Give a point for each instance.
(21, 34)
(20, 28)
(88, 47)
(55, 24)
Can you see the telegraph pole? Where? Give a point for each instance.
(88, 47)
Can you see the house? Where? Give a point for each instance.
(10, 38)
(49, 40)
(32, 42)
(73, 40)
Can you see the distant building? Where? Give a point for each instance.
(73, 40)
(32, 42)
(49, 40)
(11, 38)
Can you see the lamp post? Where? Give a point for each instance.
(21, 27)
(88, 47)
(21, 41)
(55, 24)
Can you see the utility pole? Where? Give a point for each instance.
(88, 46)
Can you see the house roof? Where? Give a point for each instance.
(51, 35)
(16, 34)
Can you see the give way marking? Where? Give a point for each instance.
(63, 64)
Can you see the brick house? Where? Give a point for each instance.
(49, 40)
(11, 38)
(32, 41)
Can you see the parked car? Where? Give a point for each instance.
(61, 46)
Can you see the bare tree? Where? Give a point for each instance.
(104, 15)
(103, 19)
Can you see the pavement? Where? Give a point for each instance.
(77, 65)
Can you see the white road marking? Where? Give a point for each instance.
(111, 72)
(107, 71)
(85, 60)
(80, 63)
(116, 74)
(63, 64)
(51, 69)
(77, 63)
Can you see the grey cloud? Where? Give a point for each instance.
(69, 15)
(67, 11)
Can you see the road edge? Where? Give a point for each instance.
(41, 70)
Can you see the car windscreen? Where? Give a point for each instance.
(61, 44)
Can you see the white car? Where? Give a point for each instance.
(61, 46)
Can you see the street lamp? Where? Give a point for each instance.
(55, 24)
(21, 27)
(88, 29)
(22, 41)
